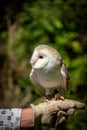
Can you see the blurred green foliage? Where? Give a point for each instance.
(60, 24)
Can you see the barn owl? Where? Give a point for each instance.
(48, 72)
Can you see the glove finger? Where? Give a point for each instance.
(62, 119)
(59, 121)
(71, 111)
(61, 113)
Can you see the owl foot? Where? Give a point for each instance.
(49, 97)
(55, 97)
(58, 97)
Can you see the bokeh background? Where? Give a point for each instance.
(24, 24)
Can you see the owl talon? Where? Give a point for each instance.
(57, 96)
(54, 97)
(49, 97)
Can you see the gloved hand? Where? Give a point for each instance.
(52, 113)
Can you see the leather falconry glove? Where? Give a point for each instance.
(52, 113)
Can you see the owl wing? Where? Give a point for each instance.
(34, 81)
(65, 73)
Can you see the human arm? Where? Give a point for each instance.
(46, 113)
(16, 118)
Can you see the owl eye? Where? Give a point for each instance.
(41, 57)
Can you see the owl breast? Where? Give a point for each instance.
(50, 80)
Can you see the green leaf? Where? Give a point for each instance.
(58, 24)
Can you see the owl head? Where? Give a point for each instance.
(45, 57)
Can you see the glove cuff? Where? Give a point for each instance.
(37, 115)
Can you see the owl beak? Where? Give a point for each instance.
(40, 63)
(34, 62)
(34, 58)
